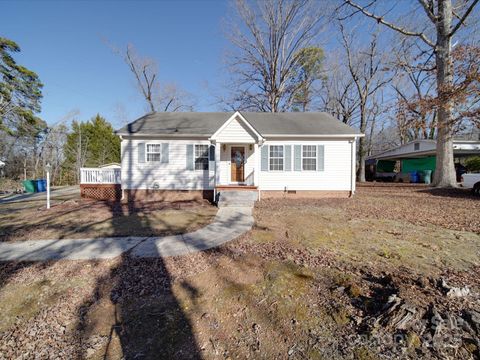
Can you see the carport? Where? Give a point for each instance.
(398, 164)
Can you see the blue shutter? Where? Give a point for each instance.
(141, 152)
(211, 150)
(320, 157)
(288, 157)
(297, 149)
(264, 155)
(165, 154)
(189, 157)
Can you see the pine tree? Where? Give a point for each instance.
(89, 144)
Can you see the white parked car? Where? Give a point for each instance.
(471, 181)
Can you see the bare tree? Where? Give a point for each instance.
(365, 69)
(145, 71)
(441, 14)
(269, 42)
(171, 98)
(168, 97)
(338, 95)
(414, 81)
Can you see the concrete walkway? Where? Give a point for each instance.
(229, 223)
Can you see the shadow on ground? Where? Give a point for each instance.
(134, 305)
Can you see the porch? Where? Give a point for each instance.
(237, 155)
(236, 166)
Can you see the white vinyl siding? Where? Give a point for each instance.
(174, 175)
(337, 168)
(201, 157)
(153, 152)
(275, 158)
(169, 176)
(309, 157)
(236, 132)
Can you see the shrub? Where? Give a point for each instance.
(473, 163)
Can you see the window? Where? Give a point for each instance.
(201, 157)
(154, 152)
(309, 157)
(416, 146)
(276, 157)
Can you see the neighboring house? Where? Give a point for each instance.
(276, 154)
(414, 156)
(424, 148)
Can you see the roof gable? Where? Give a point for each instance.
(237, 128)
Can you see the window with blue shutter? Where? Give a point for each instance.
(141, 152)
(201, 157)
(288, 157)
(165, 153)
(212, 152)
(321, 158)
(309, 157)
(153, 152)
(189, 157)
(264, 158)
(297, 152)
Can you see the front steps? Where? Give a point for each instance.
(237, 198)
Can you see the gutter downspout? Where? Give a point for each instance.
(353, 166)
(214, 143)
(121, 158)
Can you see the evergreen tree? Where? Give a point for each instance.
(89, 144)
(20, 93)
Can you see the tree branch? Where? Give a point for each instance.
(429, 10)
(380, 20)
(464, 17)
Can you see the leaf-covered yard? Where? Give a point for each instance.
(333, 278)
(72, 217)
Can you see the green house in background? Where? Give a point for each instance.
(401, 163)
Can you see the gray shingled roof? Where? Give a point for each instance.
(207, 123)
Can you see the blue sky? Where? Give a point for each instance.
(63, 41)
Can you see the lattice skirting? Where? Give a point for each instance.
(101, 191)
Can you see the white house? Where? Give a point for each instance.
(274, 154)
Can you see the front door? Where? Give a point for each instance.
(237, 164)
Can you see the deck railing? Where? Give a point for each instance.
(100, 176)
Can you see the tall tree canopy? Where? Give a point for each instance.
(445, 21)
(20, 92)
(309, 69)
(270, 41)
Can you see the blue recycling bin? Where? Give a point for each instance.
(414, 177)
(41, 185)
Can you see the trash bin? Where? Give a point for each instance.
(427, 179)
(421, 176)
(414, 177)
(41, 185)
(29, 185)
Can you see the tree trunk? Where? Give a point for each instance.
(361, 159)
(445, 170)
(361, 144)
